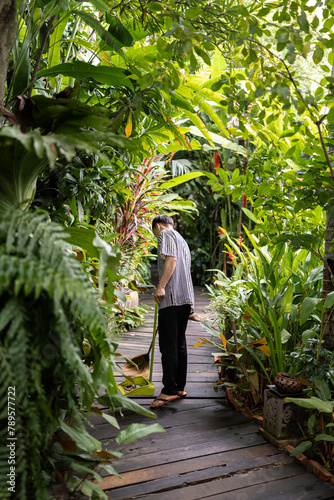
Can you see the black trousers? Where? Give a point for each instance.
(172, 324)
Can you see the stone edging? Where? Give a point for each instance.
(310, 465)
(301, 459)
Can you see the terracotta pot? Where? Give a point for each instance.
(286, 384)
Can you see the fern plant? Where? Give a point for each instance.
(47, 308)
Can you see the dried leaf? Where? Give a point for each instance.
(128, 128)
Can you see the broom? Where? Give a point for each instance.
(140, 364)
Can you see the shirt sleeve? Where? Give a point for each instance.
(167, 246)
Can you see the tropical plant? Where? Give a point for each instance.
(49, 308)
(304, 361)
(269, 304)
(319, 431)
(243, 368)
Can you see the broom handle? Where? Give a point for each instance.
(155, 329)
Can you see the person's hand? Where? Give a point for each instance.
(159, 293)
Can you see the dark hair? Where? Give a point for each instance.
(162, 219)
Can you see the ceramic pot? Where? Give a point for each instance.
(286, 384)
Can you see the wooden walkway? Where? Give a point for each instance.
(208, 451)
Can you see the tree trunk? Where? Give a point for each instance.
(328, 284)
(8, 22)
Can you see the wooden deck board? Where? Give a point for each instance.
(208, 451)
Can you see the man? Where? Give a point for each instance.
(175, 296)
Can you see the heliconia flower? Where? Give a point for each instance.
(230, 255)
(216, 161)
(240, 240)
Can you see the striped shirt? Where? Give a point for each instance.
(179, 289)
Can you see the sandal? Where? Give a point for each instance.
(163, 401)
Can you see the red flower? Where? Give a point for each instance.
(217, 163)
(245, 201)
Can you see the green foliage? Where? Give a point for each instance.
(49, 310)
(140, 78)
(265, 297)
(48, 307)
(319, 431)
(303, 361)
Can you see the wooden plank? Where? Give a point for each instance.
(319, 491)
(208, 451)
(169, 417)
(252, 485)
(168, 443)
(187, 452)
(179, 474)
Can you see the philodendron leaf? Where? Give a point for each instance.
(136, 431)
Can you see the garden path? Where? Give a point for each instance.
(209, 451)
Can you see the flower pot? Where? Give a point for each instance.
(132, 299)
(286, 384)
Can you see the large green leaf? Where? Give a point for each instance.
(114, 77)
(218, 64)
(301, 448)
(22, 68)
(55, 40)
(204, 106)
(218, 139)
(250, 214)
(115, 400)
(322, 388)
(313, 403)
(82, 439)
(20, 168)
(181, 179)
(199, 125)
(329, 302)
(103, 34)
(100, 5)
(306, 309)
(136, 431)
(287, 299)
(82, 237)
(180, 102)
(285, 335)
(324, 437)
(119, 31)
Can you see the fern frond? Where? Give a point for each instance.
(48, 308)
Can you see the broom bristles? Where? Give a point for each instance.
(140, 365)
